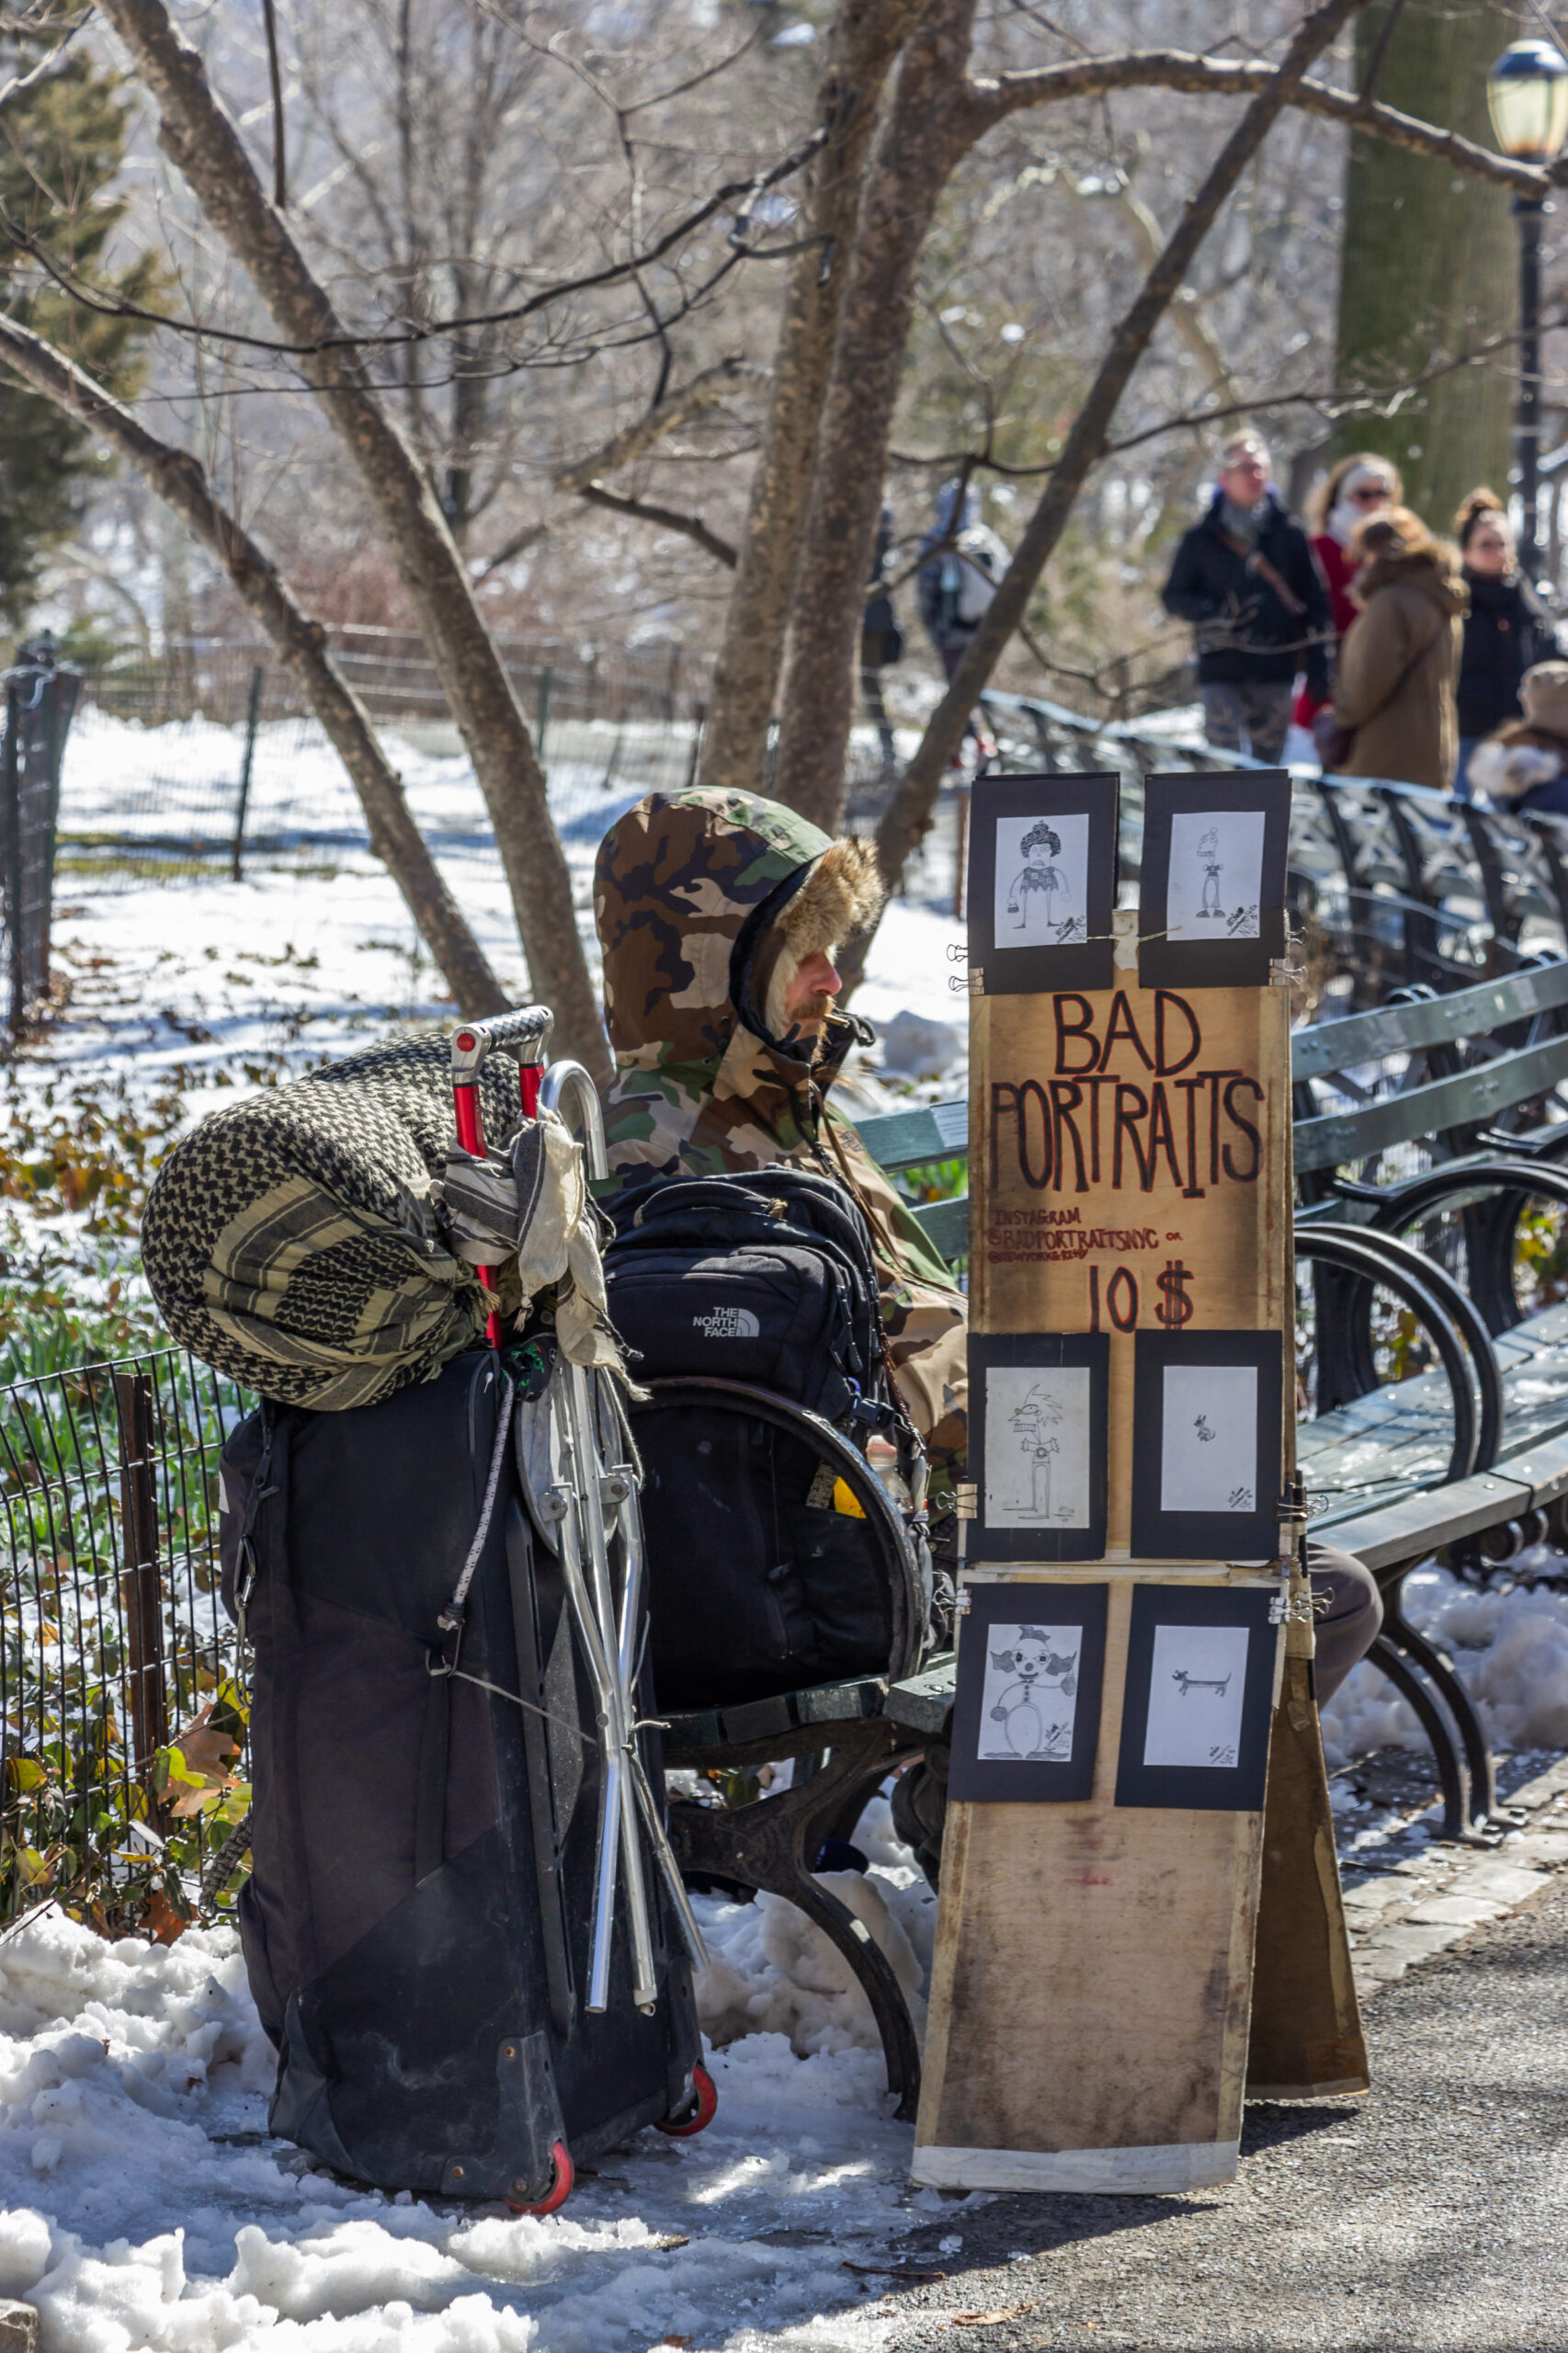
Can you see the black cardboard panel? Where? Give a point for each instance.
(1220, 962)
(1203, 1623)
(1012, 1689)
(1081, 961)
(1004, 1539)
(1161, 1534)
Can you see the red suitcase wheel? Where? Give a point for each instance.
(707, 2107)
(561, 2183)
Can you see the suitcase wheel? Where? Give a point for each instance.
(705, 2108)
(561, 2181)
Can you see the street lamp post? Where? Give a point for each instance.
(1527, 92)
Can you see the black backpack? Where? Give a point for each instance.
(775, 1558)
(767, 1278)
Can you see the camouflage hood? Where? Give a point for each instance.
(706, 904)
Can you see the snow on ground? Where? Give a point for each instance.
(315, 950)
(146, 2206)
(1509, 1644)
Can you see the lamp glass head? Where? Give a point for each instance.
(1527, 92)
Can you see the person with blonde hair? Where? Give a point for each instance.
(1507, 632)
(1244, 576)
(1350, 492)
(1393, 712)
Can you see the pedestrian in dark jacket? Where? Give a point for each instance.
(1247, 577)
(1508, 631)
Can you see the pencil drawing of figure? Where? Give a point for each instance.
(1033, 1420)
(1209, 851)
(1039, 876)
(1207, 1433)
(1022, 1705)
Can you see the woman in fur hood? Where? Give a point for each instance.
(1399, 664)
(1524, 765)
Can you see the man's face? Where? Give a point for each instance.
(1245, 479)
(809, 999)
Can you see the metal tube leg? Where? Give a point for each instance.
(621, 1712)
(608, 1859)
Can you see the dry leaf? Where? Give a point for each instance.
(161, 1921)
(198, 1761)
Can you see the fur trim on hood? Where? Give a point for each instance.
(1516, 762)
(840, 896)
(842, 893)
(1433, 571)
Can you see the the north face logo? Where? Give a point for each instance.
(728, 1324)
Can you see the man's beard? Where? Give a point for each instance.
(810, 1020)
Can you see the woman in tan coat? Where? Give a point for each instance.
(1399, 664)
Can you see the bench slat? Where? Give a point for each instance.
(946, 1225)
(1437, 1515)
(1397, 1029)
(911, 1139)
(1475, 1095)
(925, 1701)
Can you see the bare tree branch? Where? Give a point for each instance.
(274, 77)
(1174, 69)
(518, 544)
(668, 415)
(44, 69)
(336, 338)
(909, 813)
(645, 512)
(179, 480)
(202, 140)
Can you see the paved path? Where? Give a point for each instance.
(1432, 2215)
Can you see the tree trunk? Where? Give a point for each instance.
(1429, 260)
(908, 815)
(178, 479)
(864, 39)
(200, 139)
(923, 133)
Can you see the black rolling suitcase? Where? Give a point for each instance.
(418, 1923)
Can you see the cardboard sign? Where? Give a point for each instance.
(1129, 1172)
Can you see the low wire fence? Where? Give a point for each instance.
(122, 1723)
(207, 757)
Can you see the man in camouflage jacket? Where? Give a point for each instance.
(716, 912)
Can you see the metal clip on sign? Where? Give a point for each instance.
(600, 1533)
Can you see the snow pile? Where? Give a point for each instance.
(774, 1974)
(145, 2205)
(1510, 1648)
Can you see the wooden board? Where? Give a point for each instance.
(1091, 1980)
(1130, 1168)
(1306, 2039)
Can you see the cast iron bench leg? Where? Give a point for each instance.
(771, 1844)
(1452, 1772)
(1461, 1706)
